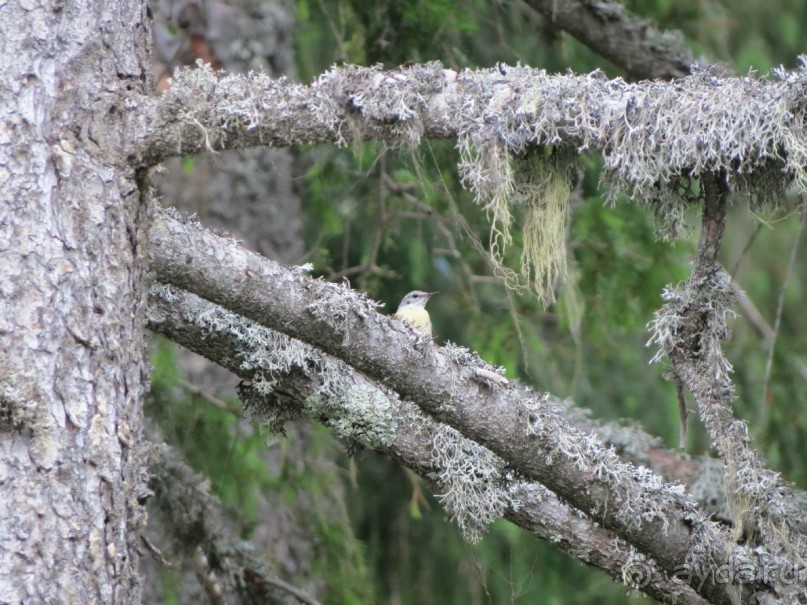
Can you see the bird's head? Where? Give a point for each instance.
(416, 298)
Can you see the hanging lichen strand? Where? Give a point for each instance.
(656, 140)
(544, 189)
(535, 185)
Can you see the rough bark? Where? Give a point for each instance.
(634, 44)
(249, 193)
(71, 324)
(78, 122)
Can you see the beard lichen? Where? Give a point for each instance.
(656, 140)
(535, 183)
(544, 192)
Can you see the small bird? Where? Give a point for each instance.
(412, 310)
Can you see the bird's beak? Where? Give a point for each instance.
(432, 293)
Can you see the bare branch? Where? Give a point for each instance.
(197, 520)
(632, 43)
(522, 427)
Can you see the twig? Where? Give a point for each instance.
(215, 401)
(682, 413)
(298, 594)
(780, 306)
(156, 552)
(754, 317)
(484, 375)
(380, 226)
(745, 249)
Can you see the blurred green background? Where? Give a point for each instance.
(393, 220)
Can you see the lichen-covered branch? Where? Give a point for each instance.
(701, 475)
(652, 136)
(288, 379)
(689, 330)
(632, 43)
(520, 426)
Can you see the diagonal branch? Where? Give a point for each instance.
(522, 427)
(229, 570)
(632, 43)
(302, 384)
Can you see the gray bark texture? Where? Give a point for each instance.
(72, 364)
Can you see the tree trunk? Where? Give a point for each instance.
(71, 324)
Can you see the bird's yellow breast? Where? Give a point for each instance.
(417, 317)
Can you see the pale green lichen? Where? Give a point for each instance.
(396, 99)
(167, 293)
(360, 413)
(473, 485)
(657, 139)
(543, 191)
(535, 186)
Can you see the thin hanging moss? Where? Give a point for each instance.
(543, 188)
(536, 182)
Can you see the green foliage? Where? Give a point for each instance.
(623, 267)
(386, 32)
(746, 35)
(339, 558)
(188, 164)
(208, 437)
